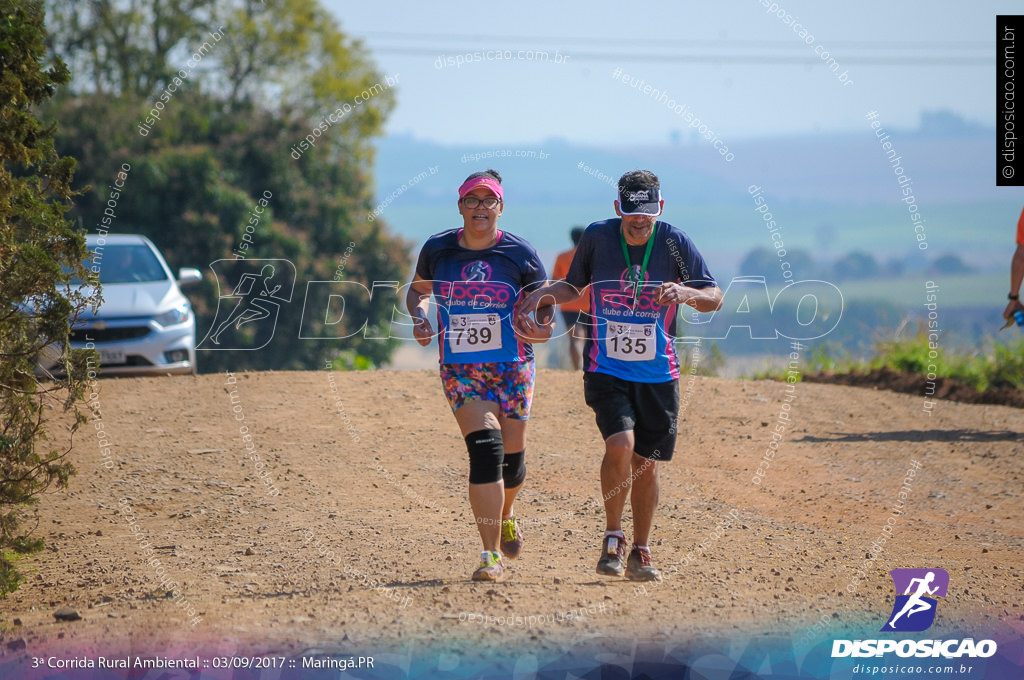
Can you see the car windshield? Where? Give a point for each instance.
(133, 263)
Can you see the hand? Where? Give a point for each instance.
(422, 330)
(531, 328)
(528, 305)
(1013, 306)
(670, 293)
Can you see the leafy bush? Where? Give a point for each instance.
(40, 253)
(997, 363)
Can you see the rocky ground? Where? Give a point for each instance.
(359, 533)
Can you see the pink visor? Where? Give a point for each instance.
(486, 182)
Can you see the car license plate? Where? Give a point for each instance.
(111, 356)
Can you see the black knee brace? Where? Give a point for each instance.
(486, 453)
(514, 469)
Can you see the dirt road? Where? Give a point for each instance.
(352, 527)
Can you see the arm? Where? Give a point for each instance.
(534, 315)
(417, 301)
(541, 303)
(556, 293)
(536, 329)
(692, 269)
(910, 586)
(702, 299)
(1016, 276)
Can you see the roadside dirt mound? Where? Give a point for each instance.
(912, 383)
(328, 510)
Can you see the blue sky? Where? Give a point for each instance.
(742, 71)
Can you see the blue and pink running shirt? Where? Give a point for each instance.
(476, 292)
(632, 337)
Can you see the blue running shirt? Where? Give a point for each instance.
(633, 339)
(475, 292)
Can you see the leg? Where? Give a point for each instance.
(654, 441)
(644, 497)
(609, 397)
(487, 499)
(513, 434)
(615, 483)
(513, 386)
(615, 477)
(901, 613)
(514, 389)
(215, 338)
(261, 312)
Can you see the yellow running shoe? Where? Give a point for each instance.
(491, 568)
(511, 538)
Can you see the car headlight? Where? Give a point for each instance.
(174, 316)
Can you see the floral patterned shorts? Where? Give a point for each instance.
(507, 383)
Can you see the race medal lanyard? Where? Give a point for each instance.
(643, 267)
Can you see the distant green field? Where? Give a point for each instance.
(983, 229)
(974, 290)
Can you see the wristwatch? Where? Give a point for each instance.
(1011, 296)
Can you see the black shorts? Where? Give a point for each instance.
(650, 410)
(575, 318)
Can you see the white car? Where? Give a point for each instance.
(145, 324)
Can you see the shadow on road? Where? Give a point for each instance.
(962, 435)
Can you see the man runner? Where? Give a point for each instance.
(639, 271)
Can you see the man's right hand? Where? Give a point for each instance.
(530, 303)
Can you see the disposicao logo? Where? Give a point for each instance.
(914, 611)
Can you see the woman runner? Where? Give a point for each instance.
(476, 275)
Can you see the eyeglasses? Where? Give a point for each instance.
(472, 202)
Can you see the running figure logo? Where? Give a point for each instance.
(478, 270)
(630, 276)
(914, 610)
(257, 295)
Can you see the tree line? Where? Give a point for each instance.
(852, 266)
(173, 119)
(204, 99)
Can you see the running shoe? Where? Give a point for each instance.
(511, 538)
(491, 568)
(638, 566)
(613, 550)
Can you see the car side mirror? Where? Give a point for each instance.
(188, 276)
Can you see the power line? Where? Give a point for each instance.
(712, 59)
(944, 46)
